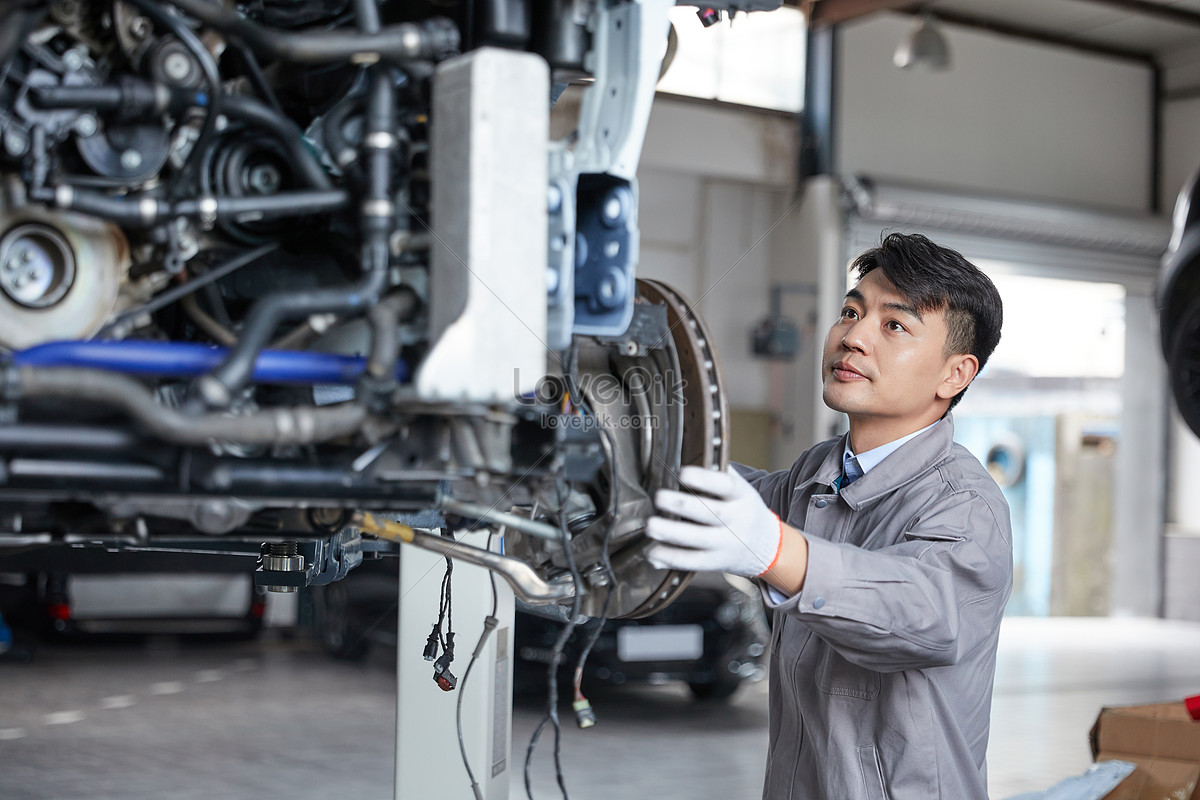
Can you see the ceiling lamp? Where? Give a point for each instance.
(926, 44)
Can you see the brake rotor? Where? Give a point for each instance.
(658, 397)
(701, 434)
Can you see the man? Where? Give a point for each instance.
(886, 554)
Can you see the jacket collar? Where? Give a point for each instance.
(913, 459)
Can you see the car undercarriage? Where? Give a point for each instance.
(276, 276)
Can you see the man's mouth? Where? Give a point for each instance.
(844, 372)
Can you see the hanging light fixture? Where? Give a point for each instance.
(926, 44)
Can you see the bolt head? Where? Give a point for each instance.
(176, 66)
(612, 209)
(139, 27)
(72, 60)
(86, 125)
(15, 143)
(131, 159)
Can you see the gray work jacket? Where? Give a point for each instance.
(882, 666)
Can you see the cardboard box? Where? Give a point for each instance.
(1162, 740)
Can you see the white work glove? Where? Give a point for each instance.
(727, 529)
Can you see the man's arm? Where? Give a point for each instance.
(899, 607)
(775, 488)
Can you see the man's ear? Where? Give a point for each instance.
(960, 370)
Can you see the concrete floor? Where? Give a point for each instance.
(277, 719)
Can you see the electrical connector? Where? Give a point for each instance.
(445, 680)
(442, 675)
(585, 717)
(431, 645)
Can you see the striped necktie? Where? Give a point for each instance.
(851, 471)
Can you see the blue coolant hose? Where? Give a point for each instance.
(184, 360)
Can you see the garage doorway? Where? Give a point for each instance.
(1045, 417)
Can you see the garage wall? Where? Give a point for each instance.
(1180, 147)
(1012, 116)
(714, 183)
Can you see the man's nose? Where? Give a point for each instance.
(856, 338)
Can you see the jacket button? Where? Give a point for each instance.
(821, 503)
(819, 603)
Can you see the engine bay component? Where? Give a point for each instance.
(310, 261)
(1178, 297)
(60, 273)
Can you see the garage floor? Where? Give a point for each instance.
(277, 719)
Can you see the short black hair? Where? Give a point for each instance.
(936, 278)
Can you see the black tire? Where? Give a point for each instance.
(715, 692)
(337, 627)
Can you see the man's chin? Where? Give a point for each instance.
(834, 400)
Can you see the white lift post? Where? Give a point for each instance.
(489, 145)
(428, 763)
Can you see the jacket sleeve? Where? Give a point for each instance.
(921, 602)
(775, 488)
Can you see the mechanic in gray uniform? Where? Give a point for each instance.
(886, 554)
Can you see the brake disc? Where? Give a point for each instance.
(660, 407)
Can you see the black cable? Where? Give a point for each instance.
(556, 656)
(570, 364)
(256, 77)
(212, 77)
(183, 290)
(462, 686)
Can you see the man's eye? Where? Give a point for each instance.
(849, 313)
(895, 326)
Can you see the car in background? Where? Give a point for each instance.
(714, 637)
(134, 593)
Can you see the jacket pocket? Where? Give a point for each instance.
(836, 675)
(872, 772)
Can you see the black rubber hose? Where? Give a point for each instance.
(252, 111)
(385, 335)
(218, 387)
(99, 98)
(433, 39)
(366, 13)
(299, 425)
(378, 218)
(212, 77)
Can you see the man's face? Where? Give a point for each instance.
(885, 364)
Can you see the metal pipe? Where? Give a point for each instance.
(65, 437)
(524, 581)
(478, 511)
(301, 425)
(146, 212)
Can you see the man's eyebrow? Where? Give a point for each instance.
(903, 308)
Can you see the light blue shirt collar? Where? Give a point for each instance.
(870, 459)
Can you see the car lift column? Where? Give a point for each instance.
(488, 164)
(428, 764)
